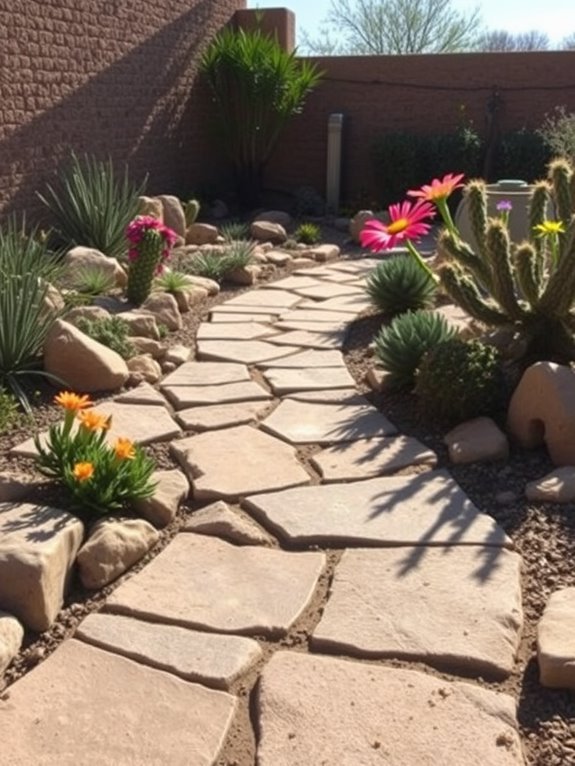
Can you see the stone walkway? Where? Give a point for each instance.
(304, 538)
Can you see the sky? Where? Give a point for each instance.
(556, 18)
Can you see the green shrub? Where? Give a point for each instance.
(172, 281)
(399, 284)
(459, 380)
(400, 347)
(91, 280)
(26, 270)
(93, 205)
(308, 234)
(111, 332)
(9, 413)
(558, 133)
(234, 231)
(217, 266)
(521, 154)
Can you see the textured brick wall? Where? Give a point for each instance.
(108, 77)
(416, 93)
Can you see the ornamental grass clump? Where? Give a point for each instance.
(401, 346)
(399, 284)
(150, 245)
(458, 380)
(98, 477)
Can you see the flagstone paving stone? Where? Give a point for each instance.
(309, 358)
(202, 582)
(421, 510)
(110, 711)
(322, 710)
(216, 416)
(220, 520)
(190, 396)
(227, 317)
(310, 326)
(253, 311)
(206, 374)
(287, 381)
(306, 339)
(295, 282)
(333, 396)
(309, 315)
(464, 611)
(207, 658)
(236, 462)
(327, 273)
(363, 266)
(142, 394)
(371, 457)
(244, 351)
(333, 290)
(234, 331)
(350, 304)
(265, 298)
(311, 423)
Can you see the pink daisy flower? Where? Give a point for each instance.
(407, 222)
(439, 188)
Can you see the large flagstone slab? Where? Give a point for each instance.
(294, 282)
(427, 509)
(238, 461)
(331, 396)
(233, 331)
(202, 582)
(327, 273)
(227, 317)
(141, 423)
(311, 357)
(256, 312)
(371, 457)
(328, 290)
(307, 315)
(190, 396)
(206, 374)
(265, 298)
(361, 266)
(207, 658)
(322, 710)
(216, 416)
(350, 304)
(142, 394)
(244, 351)
(308, 339)
(287, 381)
(321, 327)
(309, 423)
(87, 706)
(457, 608)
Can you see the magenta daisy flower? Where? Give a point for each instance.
(408, 221)
(439, 188)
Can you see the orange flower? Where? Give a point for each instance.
(72, 402)
(439, 188)
(83, 471)
(124, 449)
(93, 421)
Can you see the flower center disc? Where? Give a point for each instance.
(400, 225)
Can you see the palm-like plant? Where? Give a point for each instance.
(257, 86)
(26, 270)
(93, 205)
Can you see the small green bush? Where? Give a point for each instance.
(234, 231)
(9, 412)
(308, 234)
(172, 281)
(111, 332)
(459, 380)
(217, 266)
(91, 280)
(400, 346)
(398, 284)
(558, 133)
(521, 154)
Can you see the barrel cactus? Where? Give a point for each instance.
(150, 244)
(530, 285)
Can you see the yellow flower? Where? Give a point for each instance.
(72, 402)
(124, 449)
(549, 227)
(83, 471)
(93, 421)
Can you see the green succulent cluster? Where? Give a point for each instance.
(530, 285)
(308, 234)
(458, 380)
(111, 332)
(399, 284)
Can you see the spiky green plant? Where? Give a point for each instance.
(93, 204)
(217, 266)
(172, 281)
(308, 234)
(112, 332)
(257, 86)
(398, 284)
(234, 231)
(459, 380)
(90, 280)
(191, 211)
(9, 413)
(532, 285)
(401, 345)
(26, 271)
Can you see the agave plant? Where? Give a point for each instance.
(93, 205)
(257, 86)
(26, 271)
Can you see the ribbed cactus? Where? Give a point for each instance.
(532, 285)
(150, 243)
(191, 211)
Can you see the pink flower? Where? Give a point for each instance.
(407, 221)
(140, 226)
(438, 189)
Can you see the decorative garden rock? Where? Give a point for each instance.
(557, 487)
(90, 313)
(358, 222)
(189, 297)
(174, 217)
(141, 324)
(172, 488)
(323, 253)
(201, 234)
(476, 441)
(114, 545)
(151, 206)
(80, 362)
(165, 308)
(276, 216)
(220, 520)
(248, 275)
(178, 354)
(11, 635)
(88, 258)
(556, 641)
(542, 410)
(149, 346)
(262, 231)
(146, 368)
(38, 545)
